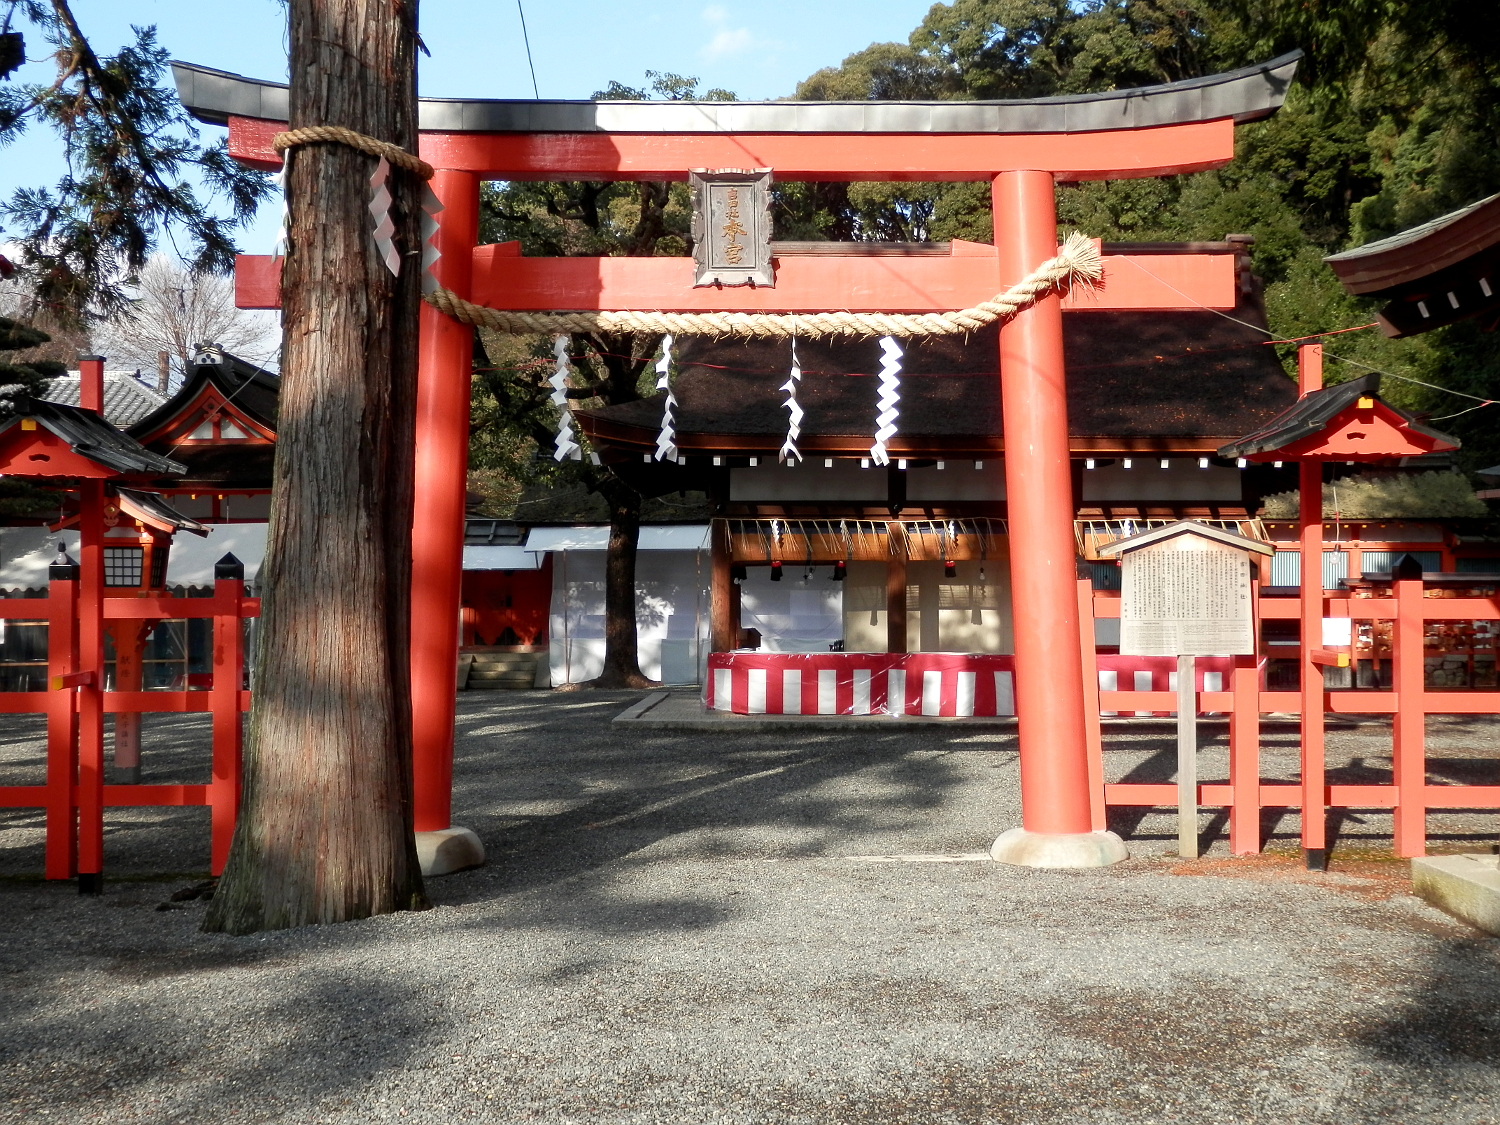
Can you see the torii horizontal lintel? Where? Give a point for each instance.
(504, 280)
(1150, 131)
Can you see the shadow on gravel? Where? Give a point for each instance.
(327, 1035)
(1446, 1037)
(752, 794)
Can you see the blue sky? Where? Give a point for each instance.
(758, 50)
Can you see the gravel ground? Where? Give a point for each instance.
(682, 928)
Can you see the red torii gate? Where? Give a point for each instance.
(1022, 148)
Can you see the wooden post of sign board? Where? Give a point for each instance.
(1186, 592)
(1187, 757)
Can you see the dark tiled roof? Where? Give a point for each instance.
(91, 436)
(1169, 374)
(253, 389)
(1309, 414)
(126, 399)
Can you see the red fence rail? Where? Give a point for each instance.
(74, 794)
(1409, 702)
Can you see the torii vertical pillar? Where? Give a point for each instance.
(442, 456)
(1057, 826)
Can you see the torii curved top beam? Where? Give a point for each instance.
(1248, 94)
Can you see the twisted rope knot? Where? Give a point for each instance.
(337, 134)
(1078, 262)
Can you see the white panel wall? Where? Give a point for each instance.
(797, 614)
(671, 597)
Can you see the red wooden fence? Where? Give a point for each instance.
(74, 794)
(1409, 702)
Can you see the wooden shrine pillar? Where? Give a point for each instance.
(442, 458)
(1057, 823)
(895, 588)
(91, 651)
(721, 618)
(1310, 535)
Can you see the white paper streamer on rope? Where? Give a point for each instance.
(279, 249)
(380, 211)
(889, 401)
(789, 448)
(430, 253)
(566, 445)
(666, 441)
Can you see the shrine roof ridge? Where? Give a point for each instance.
(1246, 94)
(1161, 534)
(91, 436)
(1314, 410)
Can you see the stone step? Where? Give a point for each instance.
(524, 675)
(510, 683)
(515, 660)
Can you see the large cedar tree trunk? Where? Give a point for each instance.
(622, 667)
(325, 824)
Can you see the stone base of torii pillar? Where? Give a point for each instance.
(448, 850)
(1058, 849)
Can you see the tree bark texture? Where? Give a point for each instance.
(325, 824)
(622, 668)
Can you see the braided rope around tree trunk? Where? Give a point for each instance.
(1078, 262)
(337, 134)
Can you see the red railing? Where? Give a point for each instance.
(1408, 701)
(74, 794)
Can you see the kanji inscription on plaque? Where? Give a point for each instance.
(732, 227)
(1186, 596)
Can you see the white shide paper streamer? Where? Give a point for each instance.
(566, 445)
(789, 448)
(279, 249)
(666, 441)
(889, 401)
(430, 253)
(380, 211)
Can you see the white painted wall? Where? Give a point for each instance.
(671, 590)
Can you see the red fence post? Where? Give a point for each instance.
(1409, 723)
(62, 720)
(91, 693)
(1097, 811)
(1310, 514)
(1244, 754)
(228, 728)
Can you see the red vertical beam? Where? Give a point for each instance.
(91, 695)
(1310, 514)
(1098, 814)
(91, 383)
(1244, 743)
(62, 724)
(1049, 691)
(442, 458)
(1409, 724)
(228, 736)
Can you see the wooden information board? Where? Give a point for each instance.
(1186, 596)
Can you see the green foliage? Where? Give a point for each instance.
(1433, 495)
(23, 379)
(1395, 119)
(131, 148)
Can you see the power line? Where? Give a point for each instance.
(527, 40)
